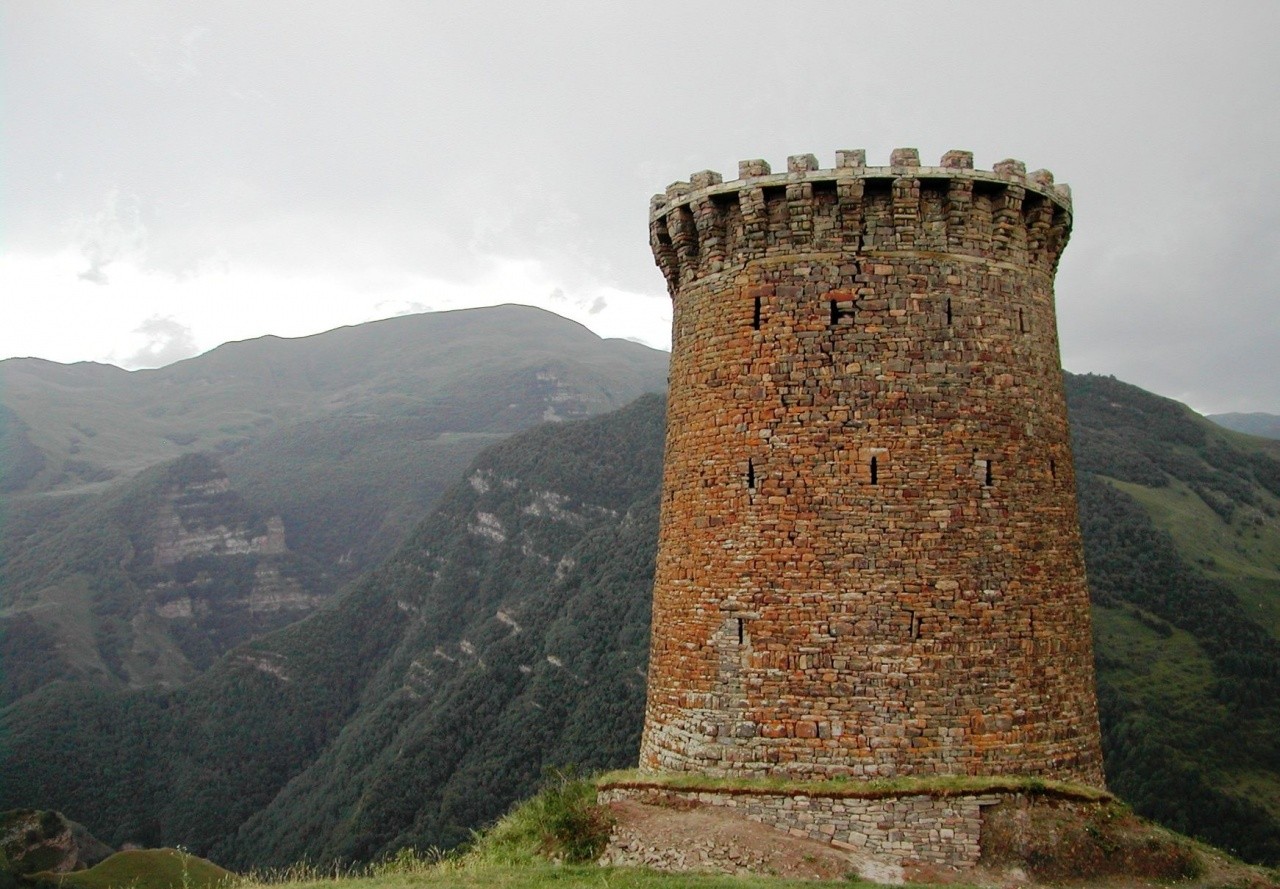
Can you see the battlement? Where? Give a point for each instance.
(707, 225)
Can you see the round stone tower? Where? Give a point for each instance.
(870, 559)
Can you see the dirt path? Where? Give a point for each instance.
(707, 839)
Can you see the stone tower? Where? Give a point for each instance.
(869, 561)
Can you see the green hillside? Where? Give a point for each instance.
(387, 414)
(141, 869)
(146, 584)
(509, 632)
(495, 369)
(1182, 545)
(364, 708)
(341, 441)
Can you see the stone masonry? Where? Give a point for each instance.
(881, 834)
(911, 829)
(869, 560)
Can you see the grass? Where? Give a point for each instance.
(561, 823)
(546, 842)
(545, 875)
(1161, 667)
(142, 869)
(1244, 554)
(859, 788)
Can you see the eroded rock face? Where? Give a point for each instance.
(33, 840)
(207, 518)
(218, 566)
(274, 591)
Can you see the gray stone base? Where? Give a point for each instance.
(908, 833)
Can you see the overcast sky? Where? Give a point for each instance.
(174, 175)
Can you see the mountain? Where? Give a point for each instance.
(1265, 425)
(509, 632)
(393, 397)
(1182, 547)
(150, 521)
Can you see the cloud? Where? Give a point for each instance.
(411, 307)
(167, 341)
(330, 161)
(140, 320)
(94, 275)
(115, 232)
(1185, 311)
(170, 59)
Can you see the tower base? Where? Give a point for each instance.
(937, 830)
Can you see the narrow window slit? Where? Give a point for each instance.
(1053, 468)
(987, 478)
(837, 313)
(915, 625)
(751, 474)
(755, 319)
(875, 471)
(741, 631)
(948, 311)
(1022, 324)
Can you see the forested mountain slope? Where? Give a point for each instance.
(509, 631)
(149, 521)
(1182, 544)
(379, 413)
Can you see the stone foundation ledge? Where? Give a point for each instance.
(920, 824)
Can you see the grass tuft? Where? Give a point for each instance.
(561, 823)
(411, 862)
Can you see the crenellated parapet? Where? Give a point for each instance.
(706, 225)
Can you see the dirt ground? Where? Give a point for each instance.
(1028, 852)
(710, 839)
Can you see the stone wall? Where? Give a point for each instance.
(869, 559)
(908, 831)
